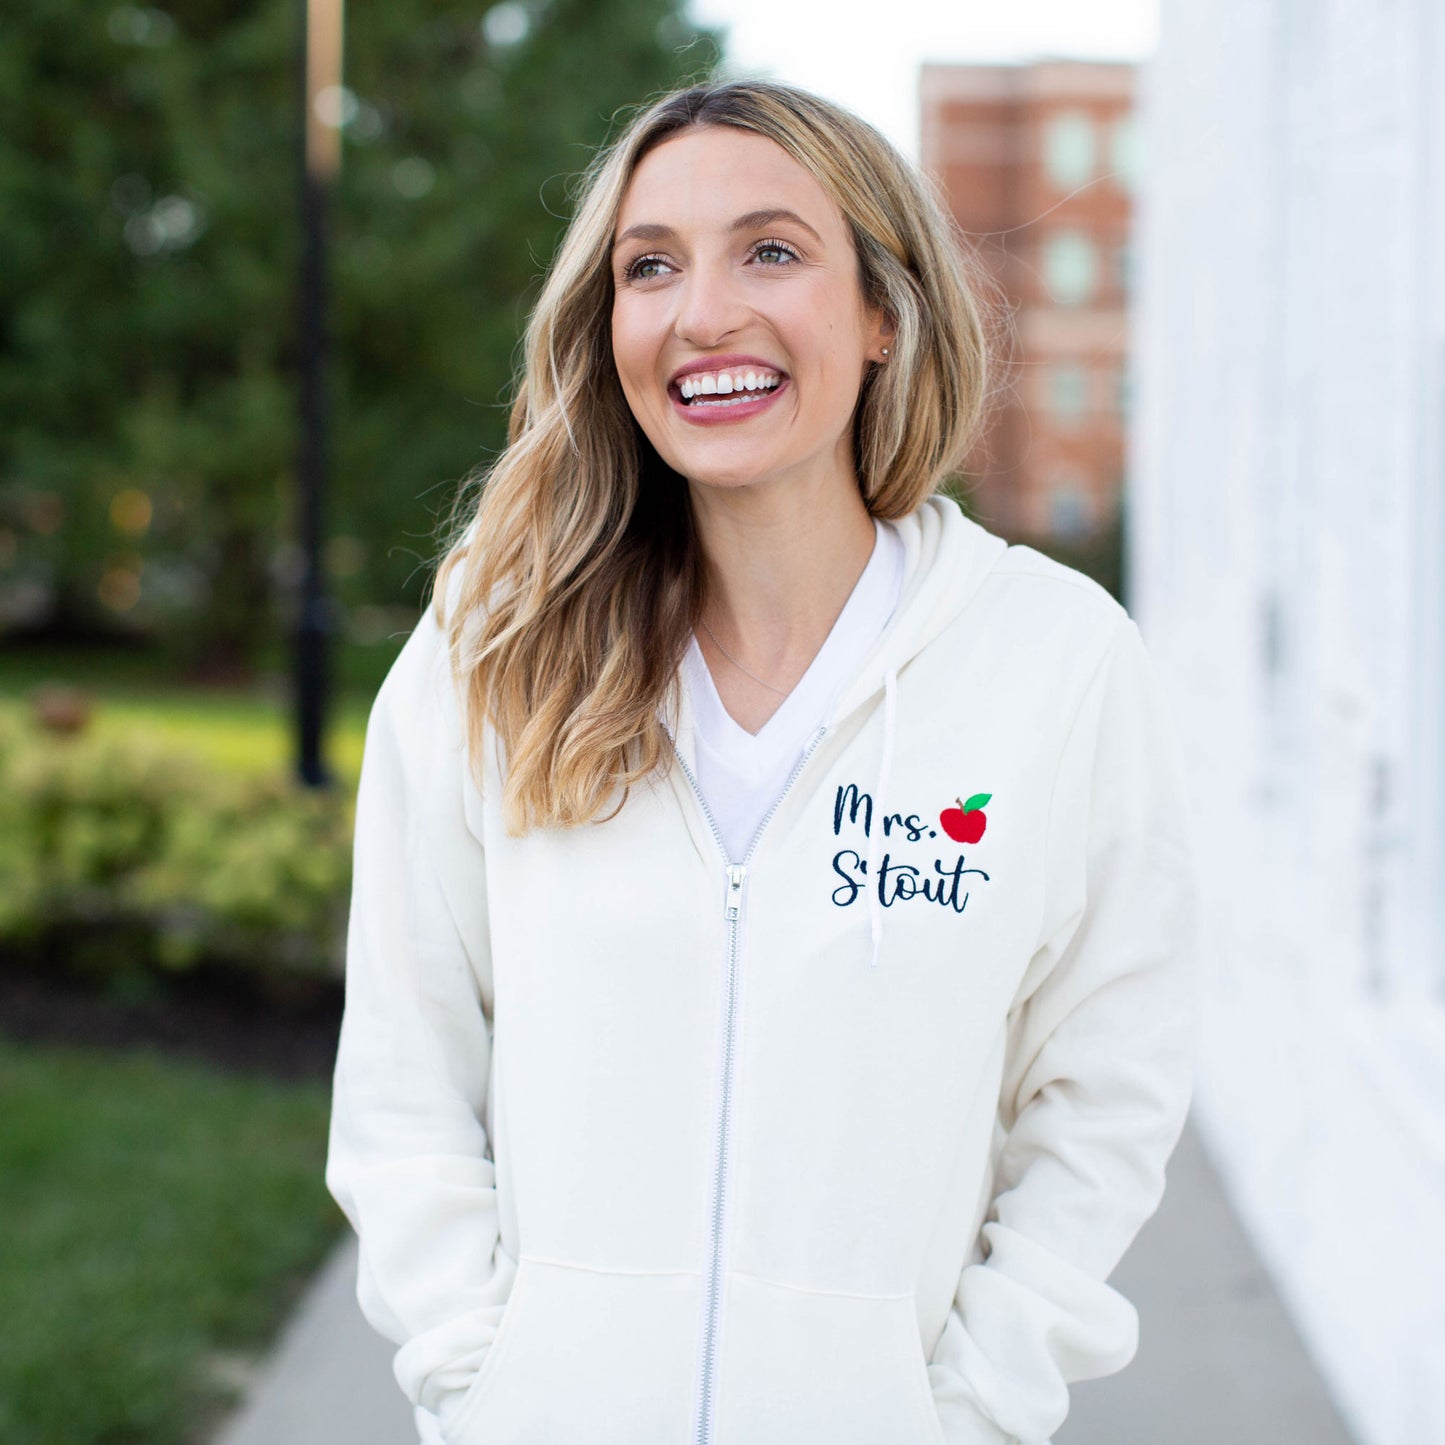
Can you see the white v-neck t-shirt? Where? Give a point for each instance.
(741, 774)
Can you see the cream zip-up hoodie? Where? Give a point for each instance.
(833, 1144)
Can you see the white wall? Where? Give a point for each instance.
(1287, 513)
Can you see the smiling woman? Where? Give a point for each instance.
(744, 210)
(714, 1066)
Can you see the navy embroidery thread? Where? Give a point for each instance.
(900, 882)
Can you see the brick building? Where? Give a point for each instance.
(1037, 162)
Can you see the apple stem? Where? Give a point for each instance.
(959, 801)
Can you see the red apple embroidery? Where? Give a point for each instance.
(965, 823)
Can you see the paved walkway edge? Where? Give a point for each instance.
(329, 1377)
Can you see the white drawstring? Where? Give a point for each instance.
(875, 832)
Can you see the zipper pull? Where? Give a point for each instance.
(736, 873)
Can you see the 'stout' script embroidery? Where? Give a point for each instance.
(944, 883)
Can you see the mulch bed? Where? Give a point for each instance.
(216, 1019)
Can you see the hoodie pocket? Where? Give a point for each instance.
(802, 1367)
(585, 1355)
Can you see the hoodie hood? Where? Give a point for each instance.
(946, 559)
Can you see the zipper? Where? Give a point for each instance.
(736, 874)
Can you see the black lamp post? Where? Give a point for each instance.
(320, 26)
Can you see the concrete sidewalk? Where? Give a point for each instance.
(1219, 1360)
(329, 1379)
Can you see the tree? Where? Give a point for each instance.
(147, 275)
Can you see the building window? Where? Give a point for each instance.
(1068, 391)
(1070, 514)
(1069, 147)
(1124, 260)
(1071, 267)
(1125, 157)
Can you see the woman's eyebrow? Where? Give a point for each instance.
(651, 231)
(755, 220)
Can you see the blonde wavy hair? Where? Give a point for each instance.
(579, 575)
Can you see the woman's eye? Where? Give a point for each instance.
(638, 269)
(780, 251)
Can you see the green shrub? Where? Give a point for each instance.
(257, 872)
(120, 855)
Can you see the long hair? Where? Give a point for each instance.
(580, 578)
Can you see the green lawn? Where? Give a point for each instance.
(250, 730)
(159, 1220)
(235, 732)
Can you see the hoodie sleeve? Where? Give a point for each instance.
(409, 1158)
(1101, 1049)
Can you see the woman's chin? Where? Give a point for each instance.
(714, 459)
(722, 480)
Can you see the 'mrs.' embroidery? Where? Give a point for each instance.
(902, 879)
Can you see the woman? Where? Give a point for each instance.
(770, 983)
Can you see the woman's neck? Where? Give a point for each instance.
(779, 565)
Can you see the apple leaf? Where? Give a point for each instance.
(977, 801)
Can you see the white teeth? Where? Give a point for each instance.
(726, 383)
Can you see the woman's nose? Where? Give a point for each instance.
(709, 306)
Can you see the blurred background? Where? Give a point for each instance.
(263, 272)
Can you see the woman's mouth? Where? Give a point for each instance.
(707, 397)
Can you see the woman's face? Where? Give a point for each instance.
(739, 329)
